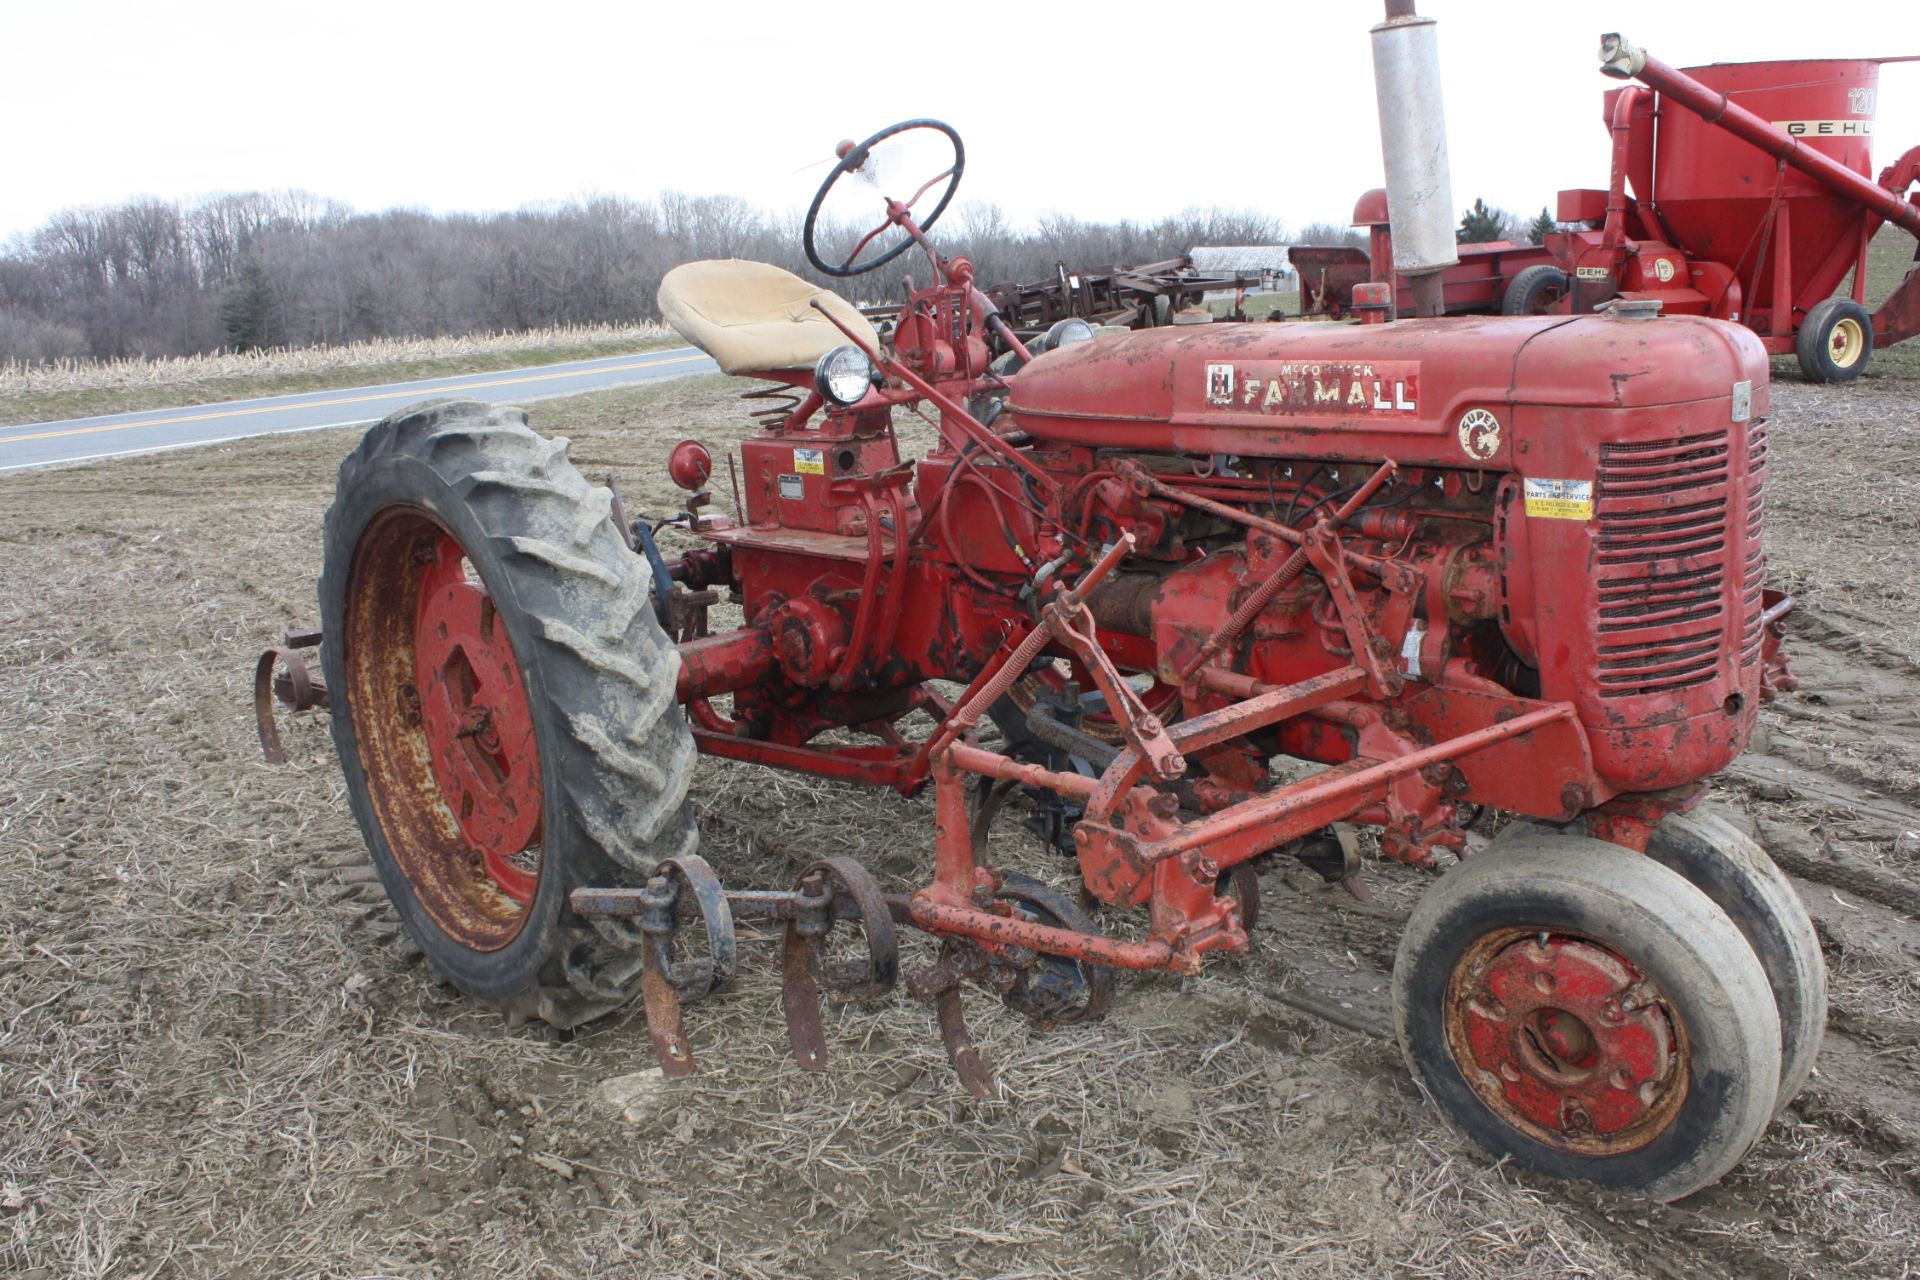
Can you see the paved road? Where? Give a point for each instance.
(40, 444)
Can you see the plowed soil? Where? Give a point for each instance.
(220, 1058)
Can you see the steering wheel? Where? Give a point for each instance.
(855, 160)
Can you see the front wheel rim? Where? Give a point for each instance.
(443, 728)
(1567, 1041)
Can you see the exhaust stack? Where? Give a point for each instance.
(1413, 146)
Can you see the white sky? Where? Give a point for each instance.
(479, 107)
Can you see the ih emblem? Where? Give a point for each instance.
(1219, 384)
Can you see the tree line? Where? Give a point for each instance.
(166, 278)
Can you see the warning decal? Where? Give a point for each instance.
(1559, 499)
(810, 462)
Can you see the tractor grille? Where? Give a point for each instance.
(1661, 517)
(1755, 569)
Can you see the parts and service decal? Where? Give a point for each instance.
(792, 487)
(1373, 389)
(1479, 433)
(1559, 499)
(810, 462)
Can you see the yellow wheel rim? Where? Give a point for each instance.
(1846, 342)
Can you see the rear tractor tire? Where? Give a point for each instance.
(1588, 1013)
(502, 702)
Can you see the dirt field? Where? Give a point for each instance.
(217, 1058)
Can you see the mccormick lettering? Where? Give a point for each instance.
(1380, 388)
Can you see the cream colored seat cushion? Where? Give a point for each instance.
(752, 316)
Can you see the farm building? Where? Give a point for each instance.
(1269, 260)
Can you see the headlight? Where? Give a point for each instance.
(844, 375)
(1067, 332)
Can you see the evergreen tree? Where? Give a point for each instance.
(1543, 226)
(246, 309)
(1481, 225)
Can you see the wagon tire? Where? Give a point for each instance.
(1534, 291)
(1720, 860)
(1835, 341)
(1650, 1064)
(566, 649)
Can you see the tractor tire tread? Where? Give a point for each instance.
(608, 660)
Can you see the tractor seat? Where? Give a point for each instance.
(752, 317)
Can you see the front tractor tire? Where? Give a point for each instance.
(502, 703)
(1588, 1013)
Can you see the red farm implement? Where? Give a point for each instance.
(1740, 191)
(1436, 567)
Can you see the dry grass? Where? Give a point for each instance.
(72, 389)
(19, 377)
(216, 1058)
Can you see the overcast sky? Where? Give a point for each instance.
(478, 107)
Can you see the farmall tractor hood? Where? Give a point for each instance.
(1413, 385)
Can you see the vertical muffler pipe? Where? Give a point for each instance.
(1413, 146)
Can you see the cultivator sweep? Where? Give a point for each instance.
(1223, 594)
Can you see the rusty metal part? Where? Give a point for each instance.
(297, 690)
(1776, 674)
(988, 926)
(961, 960)
(666, 1026)
(404, 557)
(1050, 991)
(1241, 884)
(806, 967)
(1289, 569)
(1567, 1041)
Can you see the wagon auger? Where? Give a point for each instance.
(1206, 595)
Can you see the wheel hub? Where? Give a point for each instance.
(1846, 342)
(477, 721)
(1567, 1040)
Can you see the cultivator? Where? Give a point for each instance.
(1431, 568)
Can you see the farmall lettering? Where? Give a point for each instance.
(1376, 389)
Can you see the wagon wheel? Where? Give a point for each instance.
(1539, 290)
(502, 703)
(1587, 1012)
(1835, 341)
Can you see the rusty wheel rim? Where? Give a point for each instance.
(444, 729)
(1567, 1041)
(1846, 342)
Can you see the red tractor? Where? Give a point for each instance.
(1455, 565)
